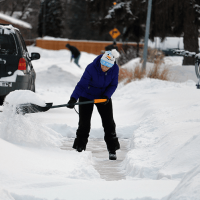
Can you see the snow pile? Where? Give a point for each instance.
(177, 72)
(53, 38)
(22, 97)
(188, 189)
(30, 169)
(86, 172)
(166, 141)
(25, 129)
(145, 198)
(64, 79)
(5, 195)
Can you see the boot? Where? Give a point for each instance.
(80, 144)
(112, 144)
(112, 156)
(79, 149)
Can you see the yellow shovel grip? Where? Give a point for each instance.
(99, 100)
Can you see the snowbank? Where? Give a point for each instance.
(5, 195)
(26, 129)
(31, 168)
(165, 141)
(188, 188)
(177, 72)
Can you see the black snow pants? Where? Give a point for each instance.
(85, 114)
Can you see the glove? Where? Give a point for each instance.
(71, 102)
(106, 102)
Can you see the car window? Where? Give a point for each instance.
(21, 41)
(7, 43)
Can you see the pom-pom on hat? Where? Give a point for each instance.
(109, 57)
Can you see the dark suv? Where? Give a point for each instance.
(16, 70)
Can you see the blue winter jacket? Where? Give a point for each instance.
(95, 83)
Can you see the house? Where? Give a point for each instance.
(24, 27)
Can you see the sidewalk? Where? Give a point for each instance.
(109, 170)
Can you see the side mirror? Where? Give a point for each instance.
(35, 56)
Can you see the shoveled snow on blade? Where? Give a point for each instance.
(22, 97)
(20, 101)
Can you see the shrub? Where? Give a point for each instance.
(130, 75)
(138, 73)
(156, 72)
(124, 74)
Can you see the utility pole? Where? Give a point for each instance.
(44, 18)
(147, 35)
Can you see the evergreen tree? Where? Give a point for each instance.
(179, 18)
(50, 18)
(79, 22)
(126, 16)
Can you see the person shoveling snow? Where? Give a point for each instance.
(99, 80)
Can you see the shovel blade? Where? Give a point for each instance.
(32, 108)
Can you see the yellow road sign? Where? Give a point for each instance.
(114, 33)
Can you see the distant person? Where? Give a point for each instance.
(111, 46)
(75, 53)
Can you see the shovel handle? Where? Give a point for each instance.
(81, 103)
(99, 100)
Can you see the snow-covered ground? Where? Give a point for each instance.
(160, 119)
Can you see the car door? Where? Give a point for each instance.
(29, 69)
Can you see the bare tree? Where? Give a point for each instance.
(25, 6)
(10, 6)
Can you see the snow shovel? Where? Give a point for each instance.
(33, 108)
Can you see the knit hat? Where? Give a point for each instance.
(67, 45)
(108, 58)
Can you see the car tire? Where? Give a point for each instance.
(1, 100)
(33, 87)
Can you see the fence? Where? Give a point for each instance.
(94, 47)
(29, 41)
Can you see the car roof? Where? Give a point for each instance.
(8, 27)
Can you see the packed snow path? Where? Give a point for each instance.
(109, 170)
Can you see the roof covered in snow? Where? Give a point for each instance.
(15, 21)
